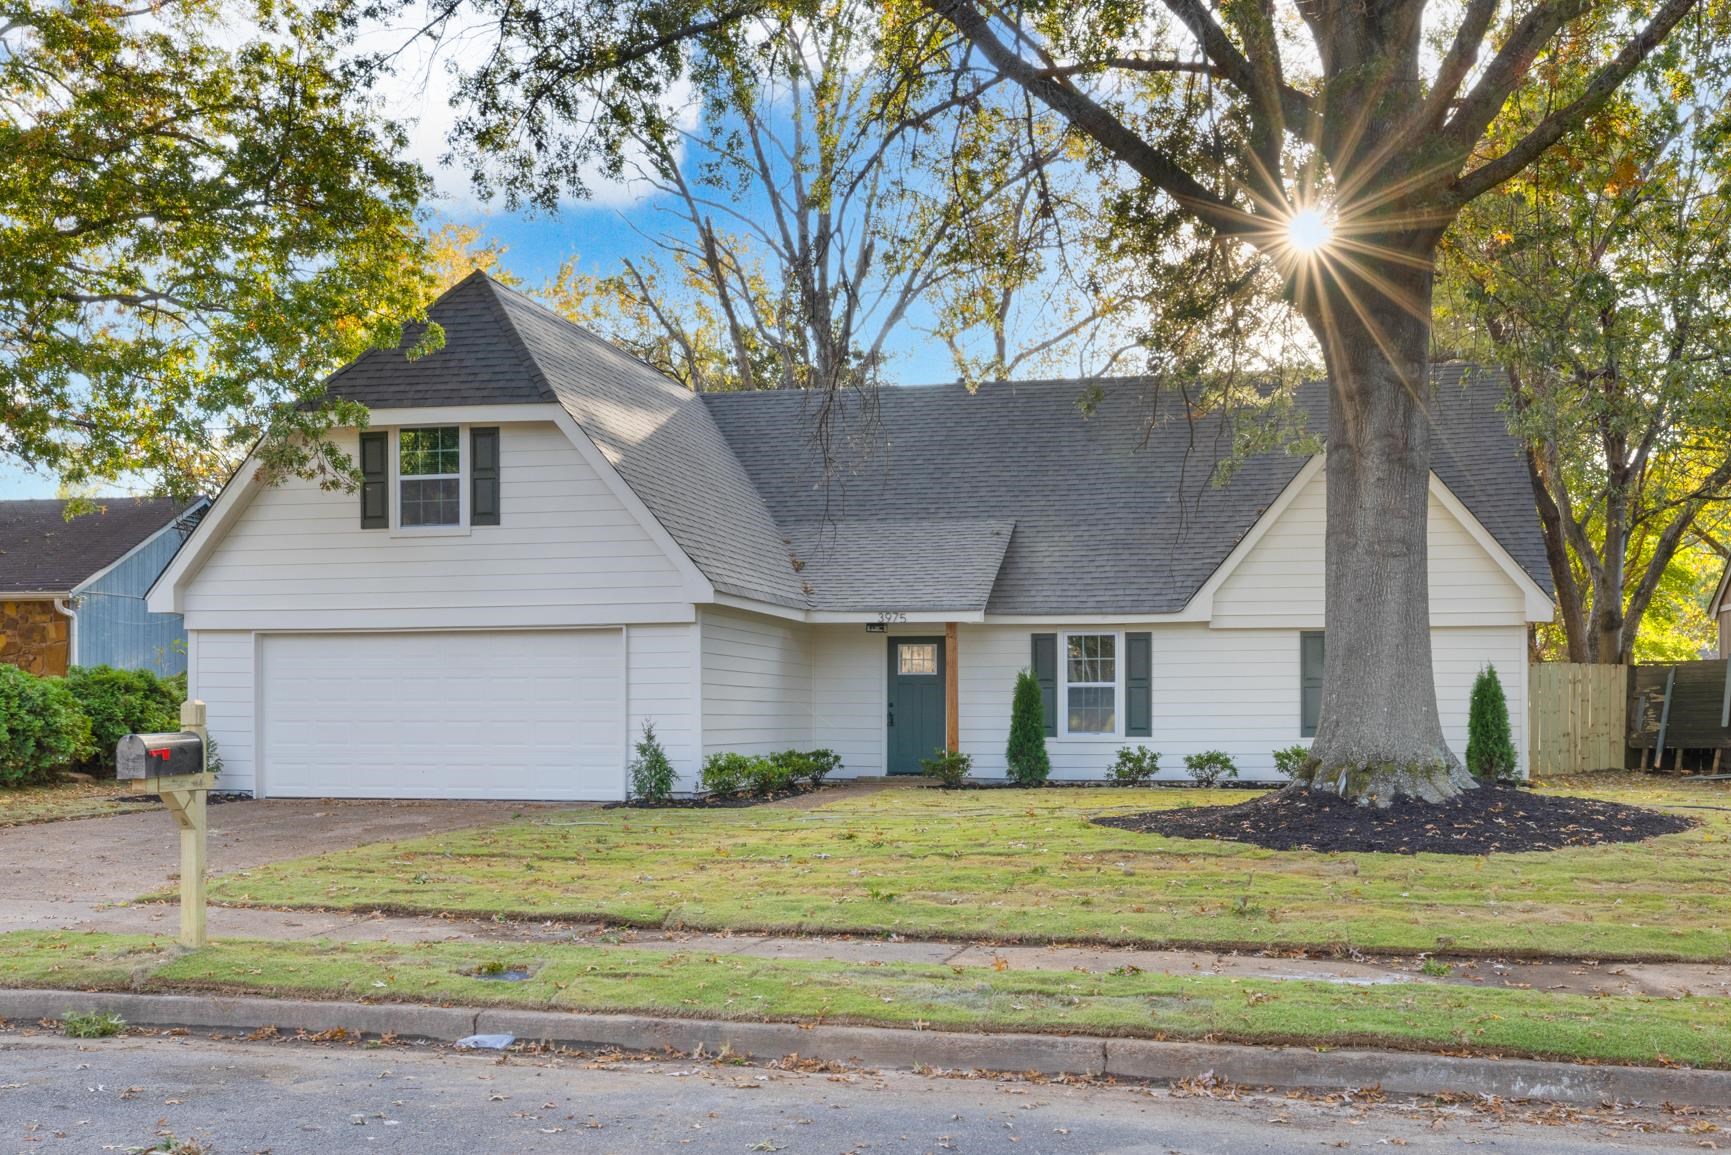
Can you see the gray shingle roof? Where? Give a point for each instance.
(1011, 497)
(42, 552)
(1113, 513)
(919, 563)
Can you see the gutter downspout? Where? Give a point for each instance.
(71, 630)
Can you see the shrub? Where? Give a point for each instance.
(1028, 763)
(724, 773)
(1292, 760)
(947, 767)
(42, 729)
(1134, 767)
(810, 766)
(651, 772)
(1210, 766)
(1490, 745)
(769, 775)
(122, 702)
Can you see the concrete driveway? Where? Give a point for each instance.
(58, 874)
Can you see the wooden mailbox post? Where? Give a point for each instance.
(184, 789)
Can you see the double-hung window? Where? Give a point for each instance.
(1091, 683)
(430, 477)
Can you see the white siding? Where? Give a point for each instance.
(1233, 690)
(663, 665)
(220, 671)
(850, 696)
(1280, 582)
(298, 558)
(757, 683)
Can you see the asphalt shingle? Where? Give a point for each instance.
(42, 552)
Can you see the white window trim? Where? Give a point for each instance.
(394, 449)
(1064, 730)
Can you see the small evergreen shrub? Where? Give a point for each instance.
(122, 702)
(808, 766)
(651, 771)
(1210, 766)
(724, 773)
(1134, 767)
(947, 767)
(1291, 760)
(1490, 742)
(768, 776)
(42, 730)
(1026, 752)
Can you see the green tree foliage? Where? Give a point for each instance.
(202, 218)
(1490, 741)
(1599, 281)
(1029, 764)
(651, 770)
(42, 730)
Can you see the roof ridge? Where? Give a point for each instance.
(496, 306)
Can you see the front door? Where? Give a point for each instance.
(916, 714)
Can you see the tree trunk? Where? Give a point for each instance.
(1379, 738)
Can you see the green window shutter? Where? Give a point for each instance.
(484, 476)
(375, 480)
(1046, 673)
(1310, 654)
(1138, 685)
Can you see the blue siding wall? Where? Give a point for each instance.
(114, 629)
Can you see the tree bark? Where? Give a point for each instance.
(1380, 738)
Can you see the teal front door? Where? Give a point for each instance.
(916, 714)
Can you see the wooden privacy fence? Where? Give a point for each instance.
(1578, 714)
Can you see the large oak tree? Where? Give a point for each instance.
(1255, 125)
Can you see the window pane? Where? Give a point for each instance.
(428, 451)
(432, 502)
(917, 658)
(1092, 657)
(1093, 710)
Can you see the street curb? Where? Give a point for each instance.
(1395, 1072)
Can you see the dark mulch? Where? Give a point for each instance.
(714, 801)
(1492, 818)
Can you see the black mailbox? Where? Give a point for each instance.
(159, 755)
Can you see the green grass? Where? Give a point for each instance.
(1031, 866)
(1416, 1016)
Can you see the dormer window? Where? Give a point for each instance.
(430, 477)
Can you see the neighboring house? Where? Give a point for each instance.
(72, 590)
(1719, 610)
(554, 544)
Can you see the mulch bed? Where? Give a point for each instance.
(713, 801)
(211, 798)
(1502, 819)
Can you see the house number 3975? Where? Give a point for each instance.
(891, 617)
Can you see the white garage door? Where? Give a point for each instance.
(458, 715)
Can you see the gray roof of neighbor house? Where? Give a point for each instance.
(1013, 498)
(42, 552)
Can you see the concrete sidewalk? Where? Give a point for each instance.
(1660, 980)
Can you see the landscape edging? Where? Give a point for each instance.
(1395, 1072)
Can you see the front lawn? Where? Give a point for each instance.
(1419, 1016)
(70, 798)
(1029, 865)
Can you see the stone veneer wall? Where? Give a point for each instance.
(35, 636)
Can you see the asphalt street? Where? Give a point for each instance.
(199, 1096)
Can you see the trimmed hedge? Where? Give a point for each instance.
(732, 773)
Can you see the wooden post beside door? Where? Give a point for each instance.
(952, 722)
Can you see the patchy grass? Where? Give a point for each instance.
(65, 799)
(1030, 865)
(1418, 1016)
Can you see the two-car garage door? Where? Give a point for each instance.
(501, 714)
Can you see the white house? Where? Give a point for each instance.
(554, 544)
